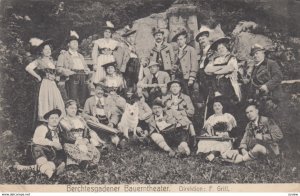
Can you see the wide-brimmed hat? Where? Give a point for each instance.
(73, 36)
(109, 25)
(158, 102)
(54, 111)
(174, 81)
(255, 48)
(153, 63)
(37, 44)
(215, 44)
(202, 31)
(128, 31)
(183, 32)
(156, 31)
(105, 66)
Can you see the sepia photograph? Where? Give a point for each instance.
(149, 95)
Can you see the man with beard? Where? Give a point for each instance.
(162, 52)
(265, 80)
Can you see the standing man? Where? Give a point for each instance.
(127, 59)
(203, 39)
(186, 61)
(202, 84)
(72, 65)
(162, 52)
(265, 80)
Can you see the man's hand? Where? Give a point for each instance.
(178, 125)
(110, 124)
(191, 82)
(264, 88)
(94, 119)
(259, 136)
(70, 72)
(87, 71)
(57, 145)
(244, 151)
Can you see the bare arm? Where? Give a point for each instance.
(30, 69)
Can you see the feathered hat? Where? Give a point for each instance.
(109, 25)
(36, 44)
(73, 36)
(128, 31)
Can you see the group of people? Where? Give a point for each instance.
(174, 91)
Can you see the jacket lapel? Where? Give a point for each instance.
(184, 52)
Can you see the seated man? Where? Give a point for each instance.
(104, 110)
(46, 148)
(155, 84)
(261, 136)
(182, 104)
(166, 128)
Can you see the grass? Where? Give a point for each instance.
(147, 164)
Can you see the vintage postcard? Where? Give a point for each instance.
(149, 96)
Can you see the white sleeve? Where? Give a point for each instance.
(32, 65)
(39, 136)
(233, 62)
(208, 122)
(231, 120)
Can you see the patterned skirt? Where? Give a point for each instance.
(75, 155)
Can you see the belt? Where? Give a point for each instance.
(77, 71)
(77, 130)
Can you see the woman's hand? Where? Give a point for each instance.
(39, 79)
(82, 141)
(83, 148)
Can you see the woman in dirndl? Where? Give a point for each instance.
(113, 80)
(103, 52)
(225, 69)
(217, 125)
(43, 69)
(77, 139)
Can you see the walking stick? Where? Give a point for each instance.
(205, 111)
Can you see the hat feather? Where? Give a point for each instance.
(127, 28)
(73, 33)
(35, 41)
(110, 24)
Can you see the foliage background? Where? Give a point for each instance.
(49, 20)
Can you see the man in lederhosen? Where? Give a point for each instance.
(127, 59)
(72, 65)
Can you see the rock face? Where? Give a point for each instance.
(243, 42)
